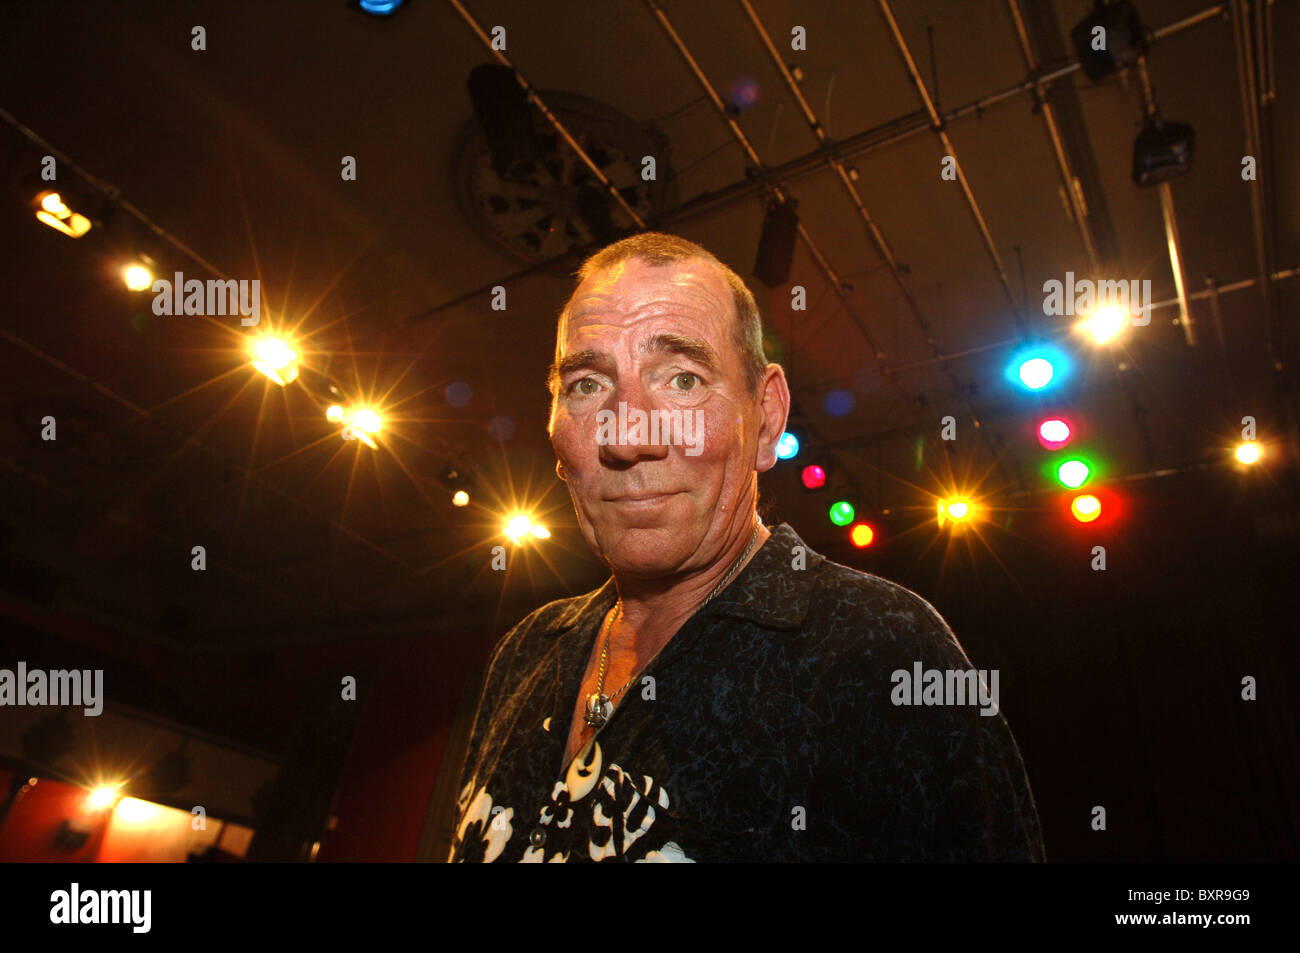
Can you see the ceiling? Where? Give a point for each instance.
(167, 440)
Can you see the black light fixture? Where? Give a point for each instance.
(776, 244)
(1162, 150)
(1117, 29)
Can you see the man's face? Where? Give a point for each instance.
(658, 339)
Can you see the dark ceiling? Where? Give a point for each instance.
(167, 439)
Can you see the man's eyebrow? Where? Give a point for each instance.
(694, 349)
(577, 361)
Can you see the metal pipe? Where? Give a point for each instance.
(1168, 213)
(876, 234)
(559, 127)
(831, 275)
(950, 150)
(1058, 147)
(860, 144)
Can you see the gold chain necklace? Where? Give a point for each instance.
(600, 705)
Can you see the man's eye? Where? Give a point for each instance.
(577, 386)
(692, 379)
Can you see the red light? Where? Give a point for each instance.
(1054, 433)
(814, 477)
(862, 535)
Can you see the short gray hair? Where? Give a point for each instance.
(658, 248)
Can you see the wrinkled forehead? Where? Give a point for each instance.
(632, 289)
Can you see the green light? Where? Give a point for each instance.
(1073, 473)
(842, 513)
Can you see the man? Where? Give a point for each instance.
(727, 695)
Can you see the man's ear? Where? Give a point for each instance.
(774, 411)
(559, 469)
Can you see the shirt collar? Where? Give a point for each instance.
(774, 589)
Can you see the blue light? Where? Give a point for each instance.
(839, 402)
(787, 447)
(1039, 368)
(381, 8)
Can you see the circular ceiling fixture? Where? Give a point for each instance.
(552, 205)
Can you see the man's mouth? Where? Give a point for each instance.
(642, 498)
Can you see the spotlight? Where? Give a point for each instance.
(1248, 452)
(54, 212)
(776, 244)
(841, 513)
(101, 798)
(367, 420)
(334, 414)
(520, 526)
(379, 8)
(1117, 29)
(1037, 368)
(813, 477)
(1162, 150)
(1073, 473)
(138, 277)
(862, 535)
(787, 447)
(955, 510)
(274, 358)
(1054, 433)
(460, 498)
(1085, 508)
(1106, 323)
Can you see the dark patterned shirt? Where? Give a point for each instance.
(770, 727)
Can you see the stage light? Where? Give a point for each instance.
(101, 798)
(841, 513)
(787, 447)
(54, 212)
(1162, 150)
(137, 277)
(380, 8)
(1036, 373)
(1107, 323)
(541, 532)
(1054, 433)
(1073, 473)
(1085, 508)
(334, 414)
(367, 420)
(1123, 39)
(955, 510)
(1248, 452)
(1037, 368)
(274, 358)
(519, 526)
(862, 535)
(460, 498)
(813, 477)
(776, 244)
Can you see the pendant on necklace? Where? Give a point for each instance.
(597, 709)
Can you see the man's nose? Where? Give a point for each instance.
(634, 433)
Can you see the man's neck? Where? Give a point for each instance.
(653, 611)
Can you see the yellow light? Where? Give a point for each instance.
(52, 211)
(1248, 452)
(1106, 323)
(460, 498)
(517, 526)
(274, 358)
(541, 532)
(132, 810)
(356, 433)
(137, 277)
(100, 798)
(955, 509)
(367, 420)
(53, 204)
(334, 414)
(1085, 508)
